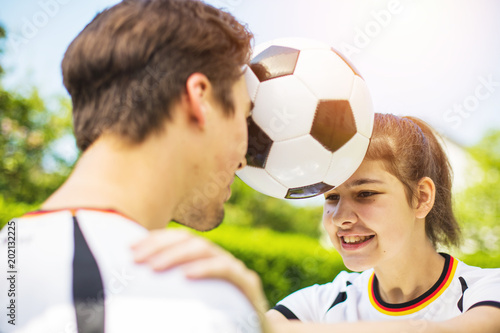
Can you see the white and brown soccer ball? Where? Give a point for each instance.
(312, 120)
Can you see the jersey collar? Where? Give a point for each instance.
(73, 211)
(420, 302)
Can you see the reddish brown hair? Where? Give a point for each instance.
(131, 63)
(410, 149)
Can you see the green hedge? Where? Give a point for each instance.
(481, 259)
(10, 210)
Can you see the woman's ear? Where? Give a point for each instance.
(426, 194)
(198, 90)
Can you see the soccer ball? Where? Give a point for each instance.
(312, 119)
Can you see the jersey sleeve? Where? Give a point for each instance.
(482, 288)
(311, 303)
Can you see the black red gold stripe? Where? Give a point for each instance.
(419, 303)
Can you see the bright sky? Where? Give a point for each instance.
(436, 59)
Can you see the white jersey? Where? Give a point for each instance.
(354, 297)
(74, 272)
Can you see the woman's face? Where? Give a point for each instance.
(369, 219)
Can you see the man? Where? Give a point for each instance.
(159, 107)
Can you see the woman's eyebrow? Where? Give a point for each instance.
(363, 181)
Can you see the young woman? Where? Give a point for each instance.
(388, 221)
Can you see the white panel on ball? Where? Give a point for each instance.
(325, 74)
(252, 83)
(283, 120)
(260, 180)
(298, 162)
(362, 107)
(346, 160)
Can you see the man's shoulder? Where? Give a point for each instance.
(134, 294)
(171, 291)
(177, 300)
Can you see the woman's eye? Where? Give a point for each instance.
(366, 194)
(332, 197)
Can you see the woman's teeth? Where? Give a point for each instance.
(355, 239)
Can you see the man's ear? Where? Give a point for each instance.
(426, 192)
(198, 90)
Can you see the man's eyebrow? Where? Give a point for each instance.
(363, 181)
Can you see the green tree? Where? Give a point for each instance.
(30, 167)
(2, 40)
(478, 207)
(248, 207)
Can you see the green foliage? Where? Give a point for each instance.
(9, 210)
(268, 212)
(2, 41)
(28, 131)
(285, 262)
(478, 207)
(482, 259)
(487, 151)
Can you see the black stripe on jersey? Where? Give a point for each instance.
(486, 303)
(286, 312)
(341, 297)
(460, 303)
(88, 289)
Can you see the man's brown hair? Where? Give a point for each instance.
(131, 63)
